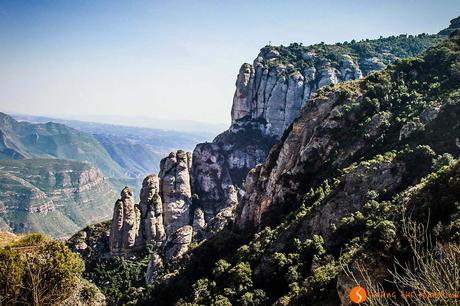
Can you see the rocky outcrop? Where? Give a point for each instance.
(92, 242)
(178, 242)
(85, 293)
(151, 208)
(124, 235)
(175, 189)
(163, 216)
(454, 25)
(272, 93)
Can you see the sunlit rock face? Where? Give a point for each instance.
(163, 216)
(151, 208)
(272, 93)
(175, 189)
(124, 234)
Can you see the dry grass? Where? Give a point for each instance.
(431, 275)
(7, 238)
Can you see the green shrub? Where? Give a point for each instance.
(11, 276)
(38, 271)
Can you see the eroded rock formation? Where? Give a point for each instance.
(163, 217)
(151, 208)
(272, 93)
(124, 235)
(175, 189)
(268, 97)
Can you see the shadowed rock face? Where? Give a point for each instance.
(211, 179)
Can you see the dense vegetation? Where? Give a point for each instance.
(370, 54)
(37, 271)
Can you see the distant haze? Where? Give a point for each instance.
(170, 60)
(203, 128)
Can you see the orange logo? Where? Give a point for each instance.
(358, 295)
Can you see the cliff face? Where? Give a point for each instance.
(53, 196)
(270, 94)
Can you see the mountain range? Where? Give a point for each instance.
(340, 162)
(340, 171)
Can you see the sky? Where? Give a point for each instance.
(171, 59)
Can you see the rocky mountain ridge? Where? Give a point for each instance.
(362, 161)
(319, 135)
(270, 94)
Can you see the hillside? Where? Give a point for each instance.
(137, 150)
(53, 196)
(23, 140)
(270, 94)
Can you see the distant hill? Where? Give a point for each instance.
(177, 125)
(23, 140)
(137, 150)
(53, 196)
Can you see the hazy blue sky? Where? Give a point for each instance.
(171, 59)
